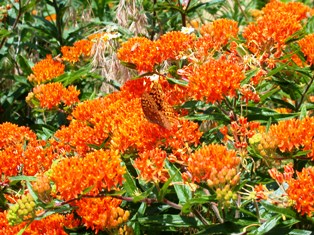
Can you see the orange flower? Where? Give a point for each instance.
(5, 228)
(301, 191)
(50, 95)
(215, 79)
(78, 137)
(120, 117)
(19, 147)
(307, 47)
(214, 36)
(289, 136)
(46, 70)
(101, 213)
(151, 165)
(97, 170)
(80, 48)
(242, 130)
(141, 52)
(174, 43)
(279, 21)
(213, 164)
(52, 17)
(297, 9)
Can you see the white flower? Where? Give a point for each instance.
(187, 30)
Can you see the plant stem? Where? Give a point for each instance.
(298, 105)
(19, 15)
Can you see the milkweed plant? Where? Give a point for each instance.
(156, 117)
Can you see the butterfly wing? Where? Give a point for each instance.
(152, 110)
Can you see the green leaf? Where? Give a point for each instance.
(303, 112)
(129, 184)
(309, 27)
(225, 228)
(300, 232)
(178, 81)
(286, 211)
(4, 33)
(167, 220)
(205, 4)
(87, 190)
(71, 77)
(23, 229)
(22, 177)
(183, 191)
(163, 190)
(196, 201)
(24, 65)
(268, 225)
(31, 191)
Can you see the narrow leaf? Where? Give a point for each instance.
(183, 191)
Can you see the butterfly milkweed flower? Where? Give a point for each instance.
(51, 95)
(99, 170)
(46, 70)
(307, 47)
(301, 191)
(141, 52)
(215, 35)
(53, 224)
(151, 165)
(279, 21)
(214, 165)
(288, 136)
(215, 79)
(101, 213)
(173, 44)
(145, 54)
(300, 187)
(81, 48)
(20, 147)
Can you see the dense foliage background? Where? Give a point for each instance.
(156, 117)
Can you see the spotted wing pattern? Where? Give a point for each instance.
(156, 109)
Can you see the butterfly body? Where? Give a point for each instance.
(156, 109)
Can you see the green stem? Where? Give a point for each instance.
(19, 15)
(298, 105)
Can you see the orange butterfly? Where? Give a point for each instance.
(156, 109)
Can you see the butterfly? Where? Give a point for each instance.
(156, 109)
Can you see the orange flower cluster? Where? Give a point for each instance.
(301, 191)
(307, 47)
(46, 70)
(141, 52)
(51, 225)
(80, 48)
(173, 43)
(78, 137)
(101, 213)
(51, 95)
(145, 54)
(243, 130)
(215, 165)
(120, 117)
(215, 79)
(97, 170)
(290, 135)
(215, 35)
(151, 165)
(19, 147)
(279, 21)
